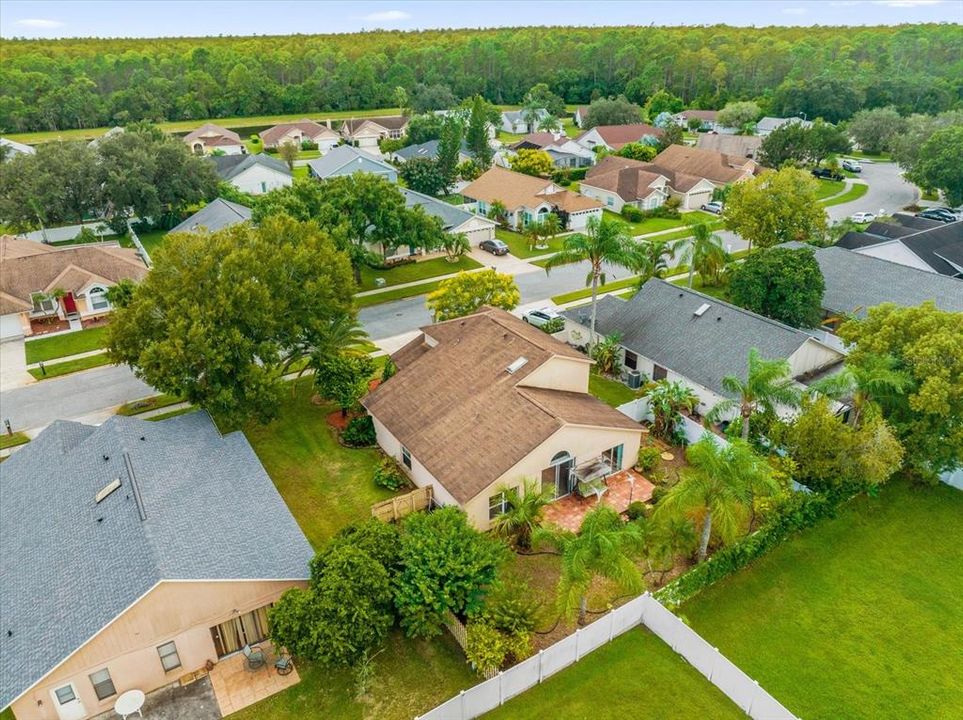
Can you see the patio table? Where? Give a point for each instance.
(129, 703)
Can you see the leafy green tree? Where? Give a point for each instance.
(476, 135)
(423, 128)
(523, 514)
(217, 317)
(820, 95)
(540, 96)
(465, 293)
(667, 399)
(604, 242)
(788, 143)
(941, 164)
(447, 566)
(925, 344)
(549, 123)
(739, 114)
(449, 148)
(455, 246)
(784, 284)
(606, 546)
(704, 252)
(875, 129)
(672, 134)
(662, 101)
(768, 384)
(344, 379)
(907, 147)
(612, 111)
(719, 485)
(637, 151)
(288, 152)
(424, 175)
(426, 98)
(532, 162)
(877, 380)
(823, 140)
(775, 207)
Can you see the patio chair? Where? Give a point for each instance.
(255, 656)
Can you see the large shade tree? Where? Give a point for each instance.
(466, 292)
(785, 284)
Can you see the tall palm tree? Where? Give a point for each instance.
(530, 114)
(768, 383)
(523, 515)
(878, 379)
(719, 483)
(606, 546)
(704, 250)
(605, 241)
(667, 400)
(551, 226)
(549, 123)
(650, 258)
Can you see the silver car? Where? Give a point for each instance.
(541, 317)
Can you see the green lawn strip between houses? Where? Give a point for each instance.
(9, 441)
(856, 618)
(652, 225)
(412, 272)
(828, 188)
(855, 192)
(720, 292)
(54, 370)
(610, 391)
(147, 404)
(635, 675)
(58, 346)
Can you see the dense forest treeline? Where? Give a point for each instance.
(822, 71)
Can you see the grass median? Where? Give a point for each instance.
(70, 366)
(855, 192)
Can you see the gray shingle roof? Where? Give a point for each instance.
(450, 216)
(427, 150)
(230, 166)
(855, 282)
(659, 322)
(338, 157)
(214, 216)
(70, 566)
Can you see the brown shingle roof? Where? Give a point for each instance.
(713, 166)
(27, 267)
(704, 115)
(734, 145)
(307, 127)
(615, 136)
(630, 179)
(518, 190)
(539, 139)
(467, 420)
(389, 122)
(211, 135)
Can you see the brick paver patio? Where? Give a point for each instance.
(567, 513)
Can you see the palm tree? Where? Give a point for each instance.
(720, 483)
(650, 258)
(455, 245)
(667, 400)
(531, 113)
(341, 335)
(498, 212)
(605, 546)
(703, 251)
(534, 232)
(604, 242)
(878, 379)
(551, 226)
(665, 538)
(767, 384)
(549, 123)
(523, 515)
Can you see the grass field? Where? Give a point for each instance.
(653, 225)
(152, 240)
(54, 370)
(828, 188)
(152, 403)
(634, 676)
(717, 291)
(59, 346)
(413, 272)
(519, 247)
(857, 618)
(855, 192)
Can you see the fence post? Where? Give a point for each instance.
(577, 657)
(461, 704)
(540, 675)
(501, 691)
(611, 617)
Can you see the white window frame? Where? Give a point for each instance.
(497, 504)
(100, 293)
(406, 457)
(41, 307)
(98, 683)
(165, 656)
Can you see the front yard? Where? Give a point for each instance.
(58, 346)
(653, 225)
(856, 618)
(413, 272)
(518, 244)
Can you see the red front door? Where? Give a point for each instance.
(70, 305)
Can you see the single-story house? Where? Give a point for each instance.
(454, 219)
(216, 215)
(768, 124)
(580, 114)
(366, 132)
(39, 281)
(616, 182)
(670, 332)
(347, 160)
(735, 145)
(936, 247)
(564, 151)
(487, 401)
(528, 199)
(718, 168)
(209, 138)
(706, 117)
(515, 122)
(12, 147)
(134, 554)
(298, 132)
(856, 282)
(614, 137)
(113, 132)
(428, 150)
(254, 174)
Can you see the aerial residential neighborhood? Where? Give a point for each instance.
(441, 361)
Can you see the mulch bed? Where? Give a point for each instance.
(48, 325)
(95, 322)
(336, 421)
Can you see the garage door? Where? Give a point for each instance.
(10, 327)
(697, 200)
(484, 233)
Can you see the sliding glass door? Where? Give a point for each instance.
(246, 629)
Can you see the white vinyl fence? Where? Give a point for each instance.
(639, 410)
(645, 610)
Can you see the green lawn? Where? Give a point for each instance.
(651, 225)
(507, 138)
(54, 370)
(881, 157)
(396, 294)
(587, 292)
(8, 441)
(609, 391)
(413, 272)
(634, 676)
(59, 346)
(152, 240)
(569, 128)
(855, 192)
(152, 403)
(519, 247)
(856, 618)
(828, 188)
(717, 291)
(300, 171)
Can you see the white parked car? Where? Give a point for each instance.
(714, 207)
(852, 166)
(541, 317)
(862, 217)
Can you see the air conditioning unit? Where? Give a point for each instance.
(633, 378)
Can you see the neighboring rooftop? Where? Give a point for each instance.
(716, 167)
(191, 505)
(462, 414)
(427, 150)
(734, 145)
(388, 122)
(916, 242)
(616, 136)
(768, 124)
(211, 135)
(450, 215)
(517, 190)
(214, 216)
(631, 180)
(28, 267)
(16, 148)
(337, 158)
(230, 166)
(308, 128)
(660, 323)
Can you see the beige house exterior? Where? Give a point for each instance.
(506, 403)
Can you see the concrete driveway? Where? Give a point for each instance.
(13, 366)
(888, 191)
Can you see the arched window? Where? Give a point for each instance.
(560, 458)
(97, 298)
(558, 475)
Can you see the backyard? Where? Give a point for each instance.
(856, 617)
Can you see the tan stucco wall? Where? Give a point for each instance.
(812, 356)
(180, 611)
(560, 373)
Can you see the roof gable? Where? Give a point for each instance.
(338, 158)
(216, 215)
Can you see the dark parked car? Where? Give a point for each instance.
(495, 247)
(826, 174)
(941, 214)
